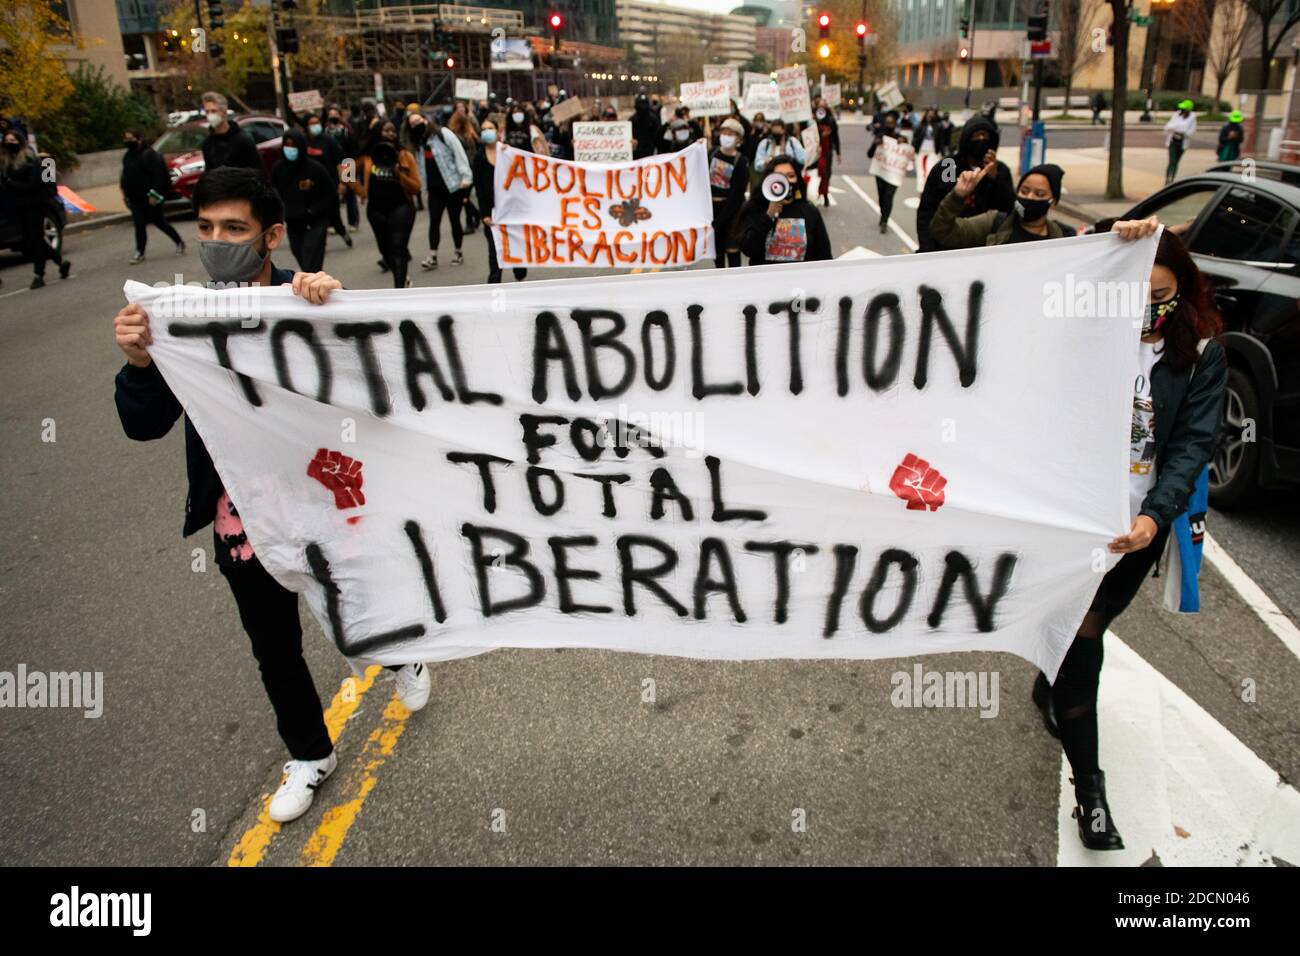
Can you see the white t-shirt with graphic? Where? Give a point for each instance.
(1142, 433)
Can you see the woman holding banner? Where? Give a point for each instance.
(485, 162)
(388, 182)
(1177, 402)
(779, 224)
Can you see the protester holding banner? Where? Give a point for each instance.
(783, 230)
(1176, 411)
(828, 135)
(485, 161)
(448, 176)
(240, 222)
(645, 128)
(977, 146)
(388, 181)
(728, 178)
(1038, 192)
(777, 143)
(891, 157)
(308, 193)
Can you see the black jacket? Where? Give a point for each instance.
(24, 183)
(307, 189)
(993, 192)
(327, 151)
(148, 410)
(756, 225)
(233, 148)
(142, 170)
(645, 130)
(727, 202)
(1187, 406)
(483, 181)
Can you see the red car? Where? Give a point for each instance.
(181, 148)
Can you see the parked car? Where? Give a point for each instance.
(1260, 169)
(56, 217)
(181, 148)
(1245, 237)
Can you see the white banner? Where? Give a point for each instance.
(471, 89)
(729, 74)
(918, 454)
(765, 99)
(792, 85)
(652, 212)
(602, 142)
(707, 98)
(892, 161)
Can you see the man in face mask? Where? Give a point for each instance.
(977, 147)
(145, 185)
(240, 222)
(226, 144)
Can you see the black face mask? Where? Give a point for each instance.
(1032, 210)
(385, 154)
(13, 147)
(977, 148)
(131, 144)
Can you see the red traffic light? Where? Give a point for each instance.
(965, 53)
(557, 21)
(451, 62)
(861, 29)
(824, 20)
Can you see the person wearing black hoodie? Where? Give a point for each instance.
(309, 196)
(645, 128)
(977, 146)
(145, 184)
(788, 230)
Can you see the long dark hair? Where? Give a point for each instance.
(1196, 317)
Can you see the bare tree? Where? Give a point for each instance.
(1219, 28)
(1266, 12)
(1075, 20)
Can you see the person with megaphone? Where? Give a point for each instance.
(779, 224)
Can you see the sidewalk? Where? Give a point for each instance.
(108, 204)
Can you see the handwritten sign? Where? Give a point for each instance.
(727, 73)
(606, 142)
(792, 86)
(471, 89)
(305, 100)
(707, 98)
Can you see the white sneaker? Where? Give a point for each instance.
(301, 778)
(413, 686)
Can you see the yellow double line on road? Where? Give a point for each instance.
(325, 842)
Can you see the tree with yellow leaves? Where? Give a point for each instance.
(841, 65)
(33, 81)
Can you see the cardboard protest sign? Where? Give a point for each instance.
(567, 110)
(305, 100)
(650, 212)
(893, 160)
(831, 93)
(857, 459)
(792, 86)
(727, 73)
(471, 89)
(707, 98)
(749, 79)
(605, 142)
(890, 95)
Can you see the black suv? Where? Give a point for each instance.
(1244, 232)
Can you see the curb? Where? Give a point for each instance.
(97, 221)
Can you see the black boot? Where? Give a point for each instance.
(1042, 697)
(1096, 828)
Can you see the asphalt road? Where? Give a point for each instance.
(521, 757)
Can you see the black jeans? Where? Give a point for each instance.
(440, 199)
(269, 614)
(393, 235)
(350, 200)
(31, 223)
(885, 191)
(144, 215)
(494, 267)
(307, 240)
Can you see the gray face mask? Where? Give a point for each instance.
(232, 262)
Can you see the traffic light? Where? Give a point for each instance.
(964, 53)
(965, 27)
(450, 63)
(824, 51)
(215, 15)
(214, 50)
(286, 40)
(824, 26)
(1038, 26)
(861, 31)
(557, 24)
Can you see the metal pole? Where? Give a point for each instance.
(1038, 85)
(970, 60)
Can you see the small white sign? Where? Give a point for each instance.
(728, 73)
(306, 100)
(707, 98)
(602, 142)
(471, 89)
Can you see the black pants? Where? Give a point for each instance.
(307, 240)
(1074, 695)
(31, 224)
(494, 267)
(143, 215)
(440, 199)
(393, 236)
(269, 614)
(1175, 155)
(336, 220)
(885, 191)
(472, 216)
(350, 200)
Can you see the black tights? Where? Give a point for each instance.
(1074, 695)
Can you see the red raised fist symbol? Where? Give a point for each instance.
(918, 484)
(340, 474)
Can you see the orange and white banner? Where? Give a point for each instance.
(653, 212)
